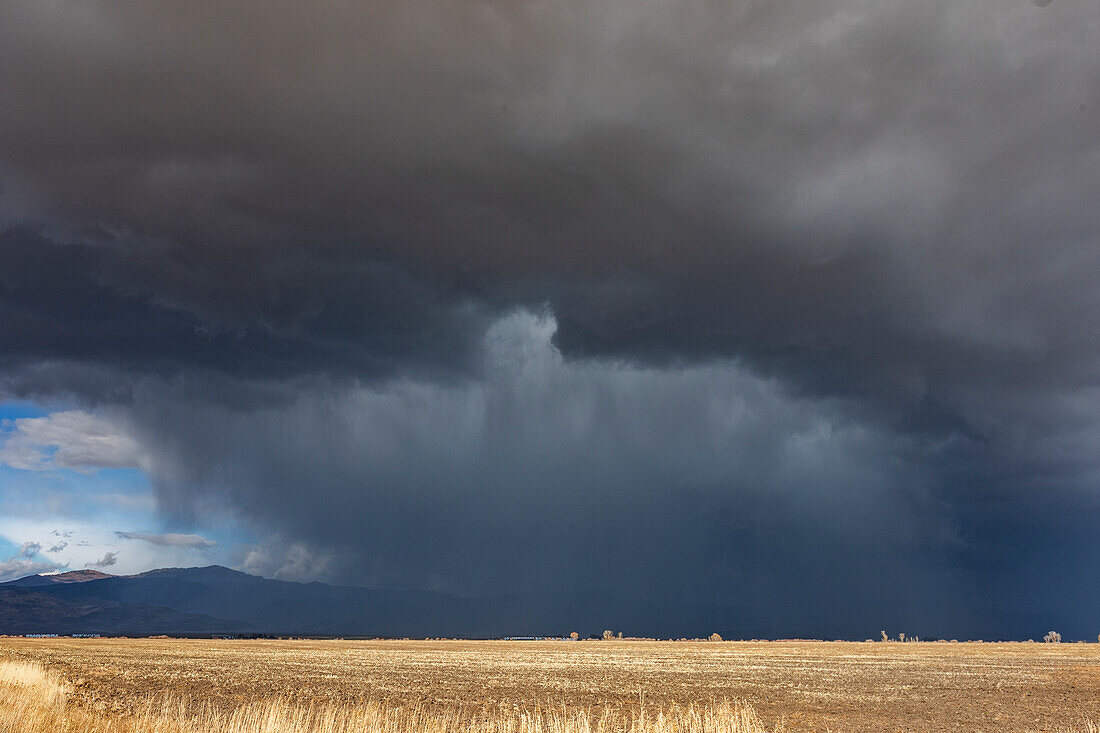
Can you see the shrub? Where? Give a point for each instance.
(715, 637)
(1052, 637)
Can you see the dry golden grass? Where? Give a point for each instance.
(179, 686)
(34, 701)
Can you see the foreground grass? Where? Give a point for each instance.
(34, 701)
(201, 686)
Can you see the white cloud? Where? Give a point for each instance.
(26, 562)
(92, 542)
(192, 541)
(295, 561)
(72, 439)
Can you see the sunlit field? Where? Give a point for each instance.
(188, 686)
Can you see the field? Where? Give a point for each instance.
(171, 686)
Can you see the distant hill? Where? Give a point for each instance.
(31, 611)
(272, 606)
(73, 576)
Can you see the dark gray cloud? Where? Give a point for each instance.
(822, 190)
(703, 483)
(70, 323)
(284, 242)
(106, 561)
(549, 472)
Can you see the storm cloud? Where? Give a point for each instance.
(775, 300)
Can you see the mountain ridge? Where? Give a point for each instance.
(215, 599)
(71, 576)
(219, 599)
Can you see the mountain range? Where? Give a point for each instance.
(218, 600)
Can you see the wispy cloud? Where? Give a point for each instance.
(106, 561)
(189, 541)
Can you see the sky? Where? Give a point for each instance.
(761, 302)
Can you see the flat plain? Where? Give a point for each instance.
(813, 686)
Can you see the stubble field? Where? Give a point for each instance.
(223, 685)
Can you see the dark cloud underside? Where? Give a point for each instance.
(286, 244)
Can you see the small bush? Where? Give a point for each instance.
(1052, 637)
(715, 637)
